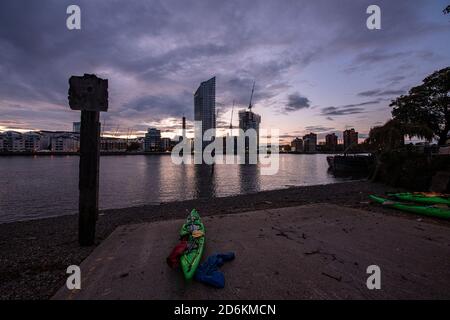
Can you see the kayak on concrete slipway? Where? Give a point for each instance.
(418, 209)
(195, 231)
(423, 197)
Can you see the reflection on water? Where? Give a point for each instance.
(249, 178)
(205, 181)
(34, 187)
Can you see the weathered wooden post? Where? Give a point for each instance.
(90, 95)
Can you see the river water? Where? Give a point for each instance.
(45, 186)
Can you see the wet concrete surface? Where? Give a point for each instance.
(318, 251)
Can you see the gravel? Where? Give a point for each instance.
(34, 255)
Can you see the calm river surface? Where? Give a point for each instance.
(45, 186)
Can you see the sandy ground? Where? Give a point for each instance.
(318, 251)
(35, 254)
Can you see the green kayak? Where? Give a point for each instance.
(423, 210)
(195, 231)
(421, 198)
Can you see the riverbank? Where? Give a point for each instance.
(137, 153)
(62, 153)
(316, 251)
(35, 254)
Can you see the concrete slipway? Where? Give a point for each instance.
(316, 251)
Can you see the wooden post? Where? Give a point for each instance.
(90, 95)
(89, 176)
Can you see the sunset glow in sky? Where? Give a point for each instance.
(316, 65)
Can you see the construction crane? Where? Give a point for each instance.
(128, 134)
(217, 114)
(116, 133)
(103, 128)
(251, 97)
(231, 120)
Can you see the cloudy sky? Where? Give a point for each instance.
(316, 65)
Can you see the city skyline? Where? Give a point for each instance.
(205, 109)
(318, 69)
(42, 142)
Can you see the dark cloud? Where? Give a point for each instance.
(287, 136)
(381, 93)
(334, 111)
(348, 109)
(369, 93)
(394, 80)
(155, 53)
(379, 55)
(319, 129)
(361, 104)
(367, 60)
(161, 105)
(296, 102)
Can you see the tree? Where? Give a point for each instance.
(392, 134)
(427, 105)
(447, 10)
(387, 139)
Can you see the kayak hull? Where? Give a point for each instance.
(420, 198)
(418, 209)
(190, 260)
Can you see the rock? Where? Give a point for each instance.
(440, 182)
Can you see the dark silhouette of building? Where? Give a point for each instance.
(166, 144)
(310, 142)
(331, 141)
(152, 140)
(249, 120)
(205, 107)
(76, 127)
(350, 138)
(297, 145)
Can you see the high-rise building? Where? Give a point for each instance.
(76, 127)
(205, 108)
(152, 140)
(350, 138)
(297, 145)
(310, 142)
(165, 144)
(249, 120)
(331, 141)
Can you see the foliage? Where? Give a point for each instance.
(409, 169)
(426, 107)
(447, 10)
(391, 135)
